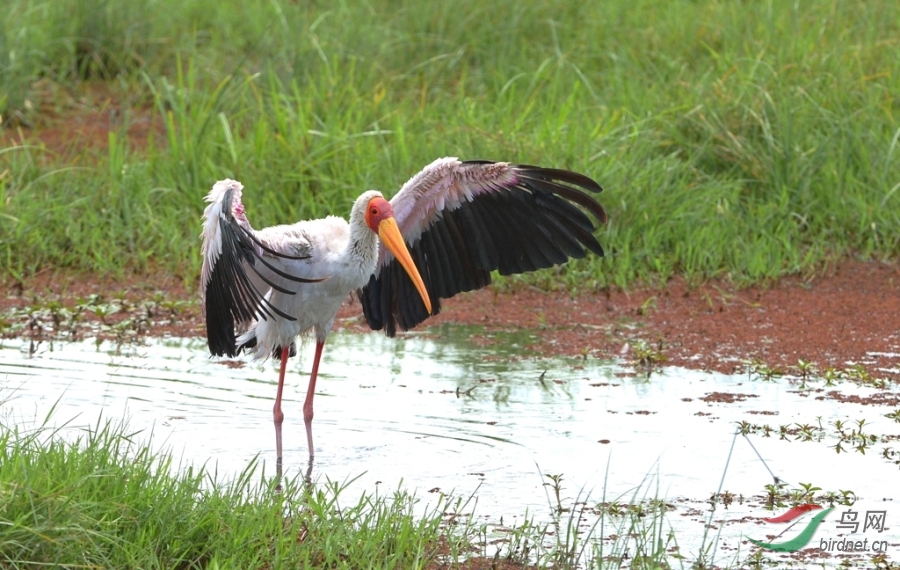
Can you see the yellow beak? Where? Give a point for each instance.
(390, 234)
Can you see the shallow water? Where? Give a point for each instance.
(450, 416)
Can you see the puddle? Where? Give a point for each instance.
(456, 418)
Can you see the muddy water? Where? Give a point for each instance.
(445, 415)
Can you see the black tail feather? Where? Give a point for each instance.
(250, 344)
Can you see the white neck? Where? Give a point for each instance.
(361, 255)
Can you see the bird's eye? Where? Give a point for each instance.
(373, 211)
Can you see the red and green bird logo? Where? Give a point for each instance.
(805, 535)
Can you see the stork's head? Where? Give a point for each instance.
(378, 210)
(380, 219)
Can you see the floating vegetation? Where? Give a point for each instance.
(841, 435)
(778, 495)
(117, 317)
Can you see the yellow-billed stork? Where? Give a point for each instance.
(444, 232)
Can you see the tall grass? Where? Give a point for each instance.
(106, 500)
(745, 140)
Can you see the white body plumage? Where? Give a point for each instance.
(340, 254)
(344, 253)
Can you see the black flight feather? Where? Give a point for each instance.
(536, 222)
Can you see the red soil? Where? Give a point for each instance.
(846, 317)
(836, 320)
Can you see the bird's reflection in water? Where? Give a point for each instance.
(307, 477)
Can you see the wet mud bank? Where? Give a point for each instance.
(843, 317)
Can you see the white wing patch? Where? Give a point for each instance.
(444, 185)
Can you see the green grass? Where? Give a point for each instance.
(106, 499)
(743, 140)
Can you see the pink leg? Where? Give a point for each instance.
(310, 392)
(277, 414)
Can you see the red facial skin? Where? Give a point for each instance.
(377, 210)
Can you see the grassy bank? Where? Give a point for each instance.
(740, 139)
(107, 500)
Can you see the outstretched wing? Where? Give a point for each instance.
(462, 220)
(236, 277)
